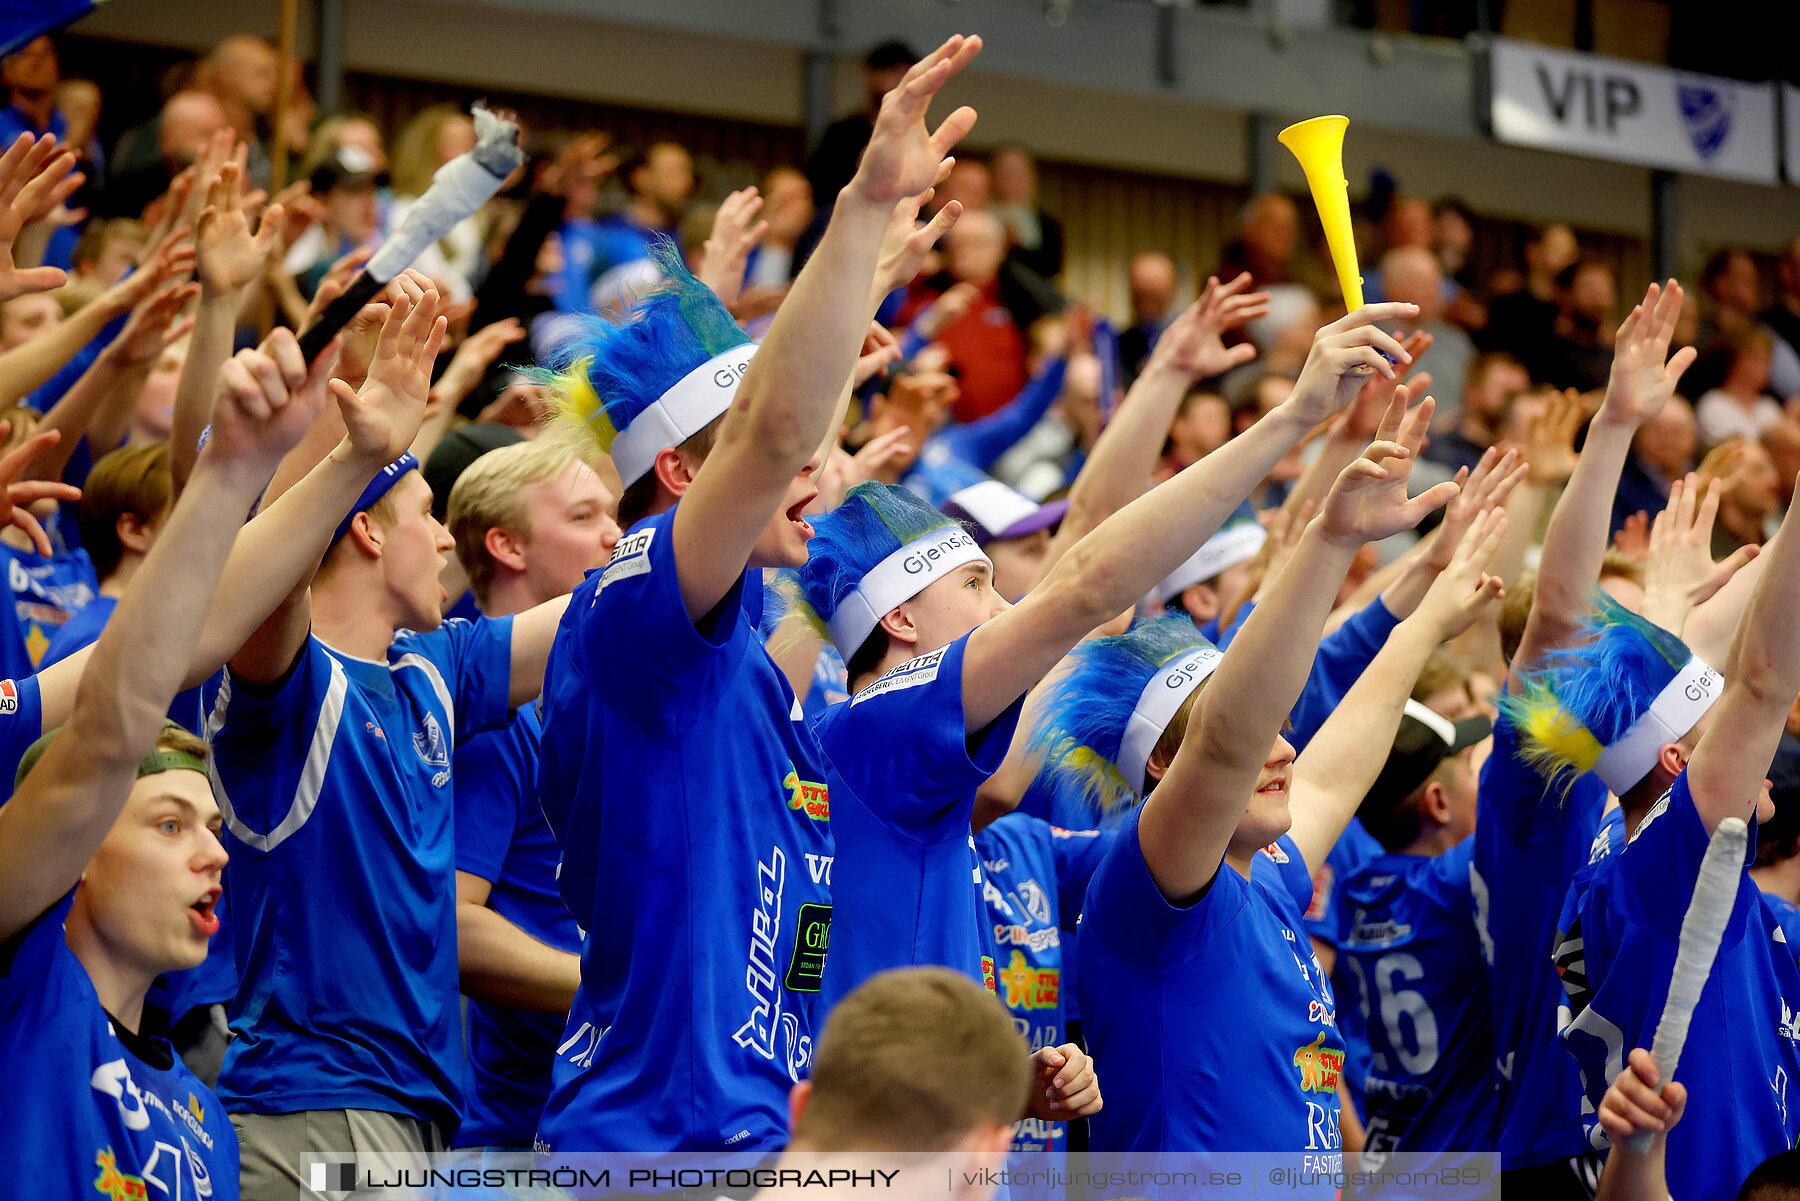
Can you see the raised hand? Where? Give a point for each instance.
(1679, 571)
(946, 310)
(1464, 591)
(1643, 375)
(19, 494)
(1192, 344)
(1483, 490)
(152, 326)
(337, 277)
(173, 256)
(382, 418)
(728, 246)
(228, 257)
(1369, 502)
(903, 156)
(1359, 422)
(1285, 528)
(1634, 1102)
(473, 358)
(1342, 356)
(1633, 538)
(363, 332)
(34, 174)
(222, 149)
(265, 401)
(521, 406)
(1550, 440)
(906, 242)
(880, 350)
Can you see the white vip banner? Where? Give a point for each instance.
(1609, 108)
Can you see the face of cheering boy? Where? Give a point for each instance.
(1266, 818)
(145, 903)
(415, 548)
(571, 530)
(947, 608)
(783, 541)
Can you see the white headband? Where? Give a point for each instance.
(997, 507)
(680, 413)
(1672, 714)
(1156, 707)
(1436, 722)
(1232, 545)
(896, 580)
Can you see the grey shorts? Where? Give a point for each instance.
(278, 1150)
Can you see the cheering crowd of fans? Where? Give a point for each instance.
(659, 622)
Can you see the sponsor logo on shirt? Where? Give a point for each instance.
(434, 749)
(812, 936)
(911, 674)
(1320, 1066)
(1321, 1012)
(820, 867)
(1378, 932)
(1021, 936)
(120, 1186)
(631, 557)
(1323, 880)
(1274, 851)
(806, 797)
(1789, 1027)
(763, 981)
(9, 697)
(987, 972)
(1028, 987)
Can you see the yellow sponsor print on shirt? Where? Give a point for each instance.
(806, 797)
(120, 1186)
(1319, 1066)
(1028, 987)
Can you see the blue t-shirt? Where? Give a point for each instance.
(336, 787)
(21, 724)
(1787, 916)
(1530, 840)
(1220, 998)
(911, 891)
(1037, 876)
(693, 809)
(1743, 1053)
(1327, 918)
(46, 593)
(91, 1113)
(80, 631)
(1413, 971)
(502, 837)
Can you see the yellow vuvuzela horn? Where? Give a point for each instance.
(1319, 145)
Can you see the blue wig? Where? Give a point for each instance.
(1082, 716)
(610, 372)
(1581, 699)
(874, 521)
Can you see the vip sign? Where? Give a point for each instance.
(1632, 113)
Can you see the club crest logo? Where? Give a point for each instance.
(1706, 115)
(434, 749)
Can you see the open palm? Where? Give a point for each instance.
(1643, 376)
(1369, 502)
(382, 418)
(903, 156)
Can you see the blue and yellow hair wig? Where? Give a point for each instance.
(609, 372)
(1581, 699)
(874, 521)
(1082, 718)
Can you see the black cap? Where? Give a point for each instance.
(893, 53)
(347, 167)
(459, 448)
(1423, 741)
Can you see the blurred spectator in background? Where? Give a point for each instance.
(970, 183)
(344, 183)
(986, 345)
(31, 74)
(1493, 380)
(1783, 317)
(659, 181)
(147, 158)
(834, 160)
(1740, 407)
(1662, 451)
(788, 208)
(1201, 426)
(1046, 460)
(1750, 494)
(1267, 246)
(23, 318)
(1732, 287)
(1522, 315)
(1452, 237)
(108, 249)
(1151, 277)
(78, 101)
(1579, 353)
(1782, 441)
(1412, 277)
(1036, 236)
(242, 73)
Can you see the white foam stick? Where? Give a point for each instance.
(1715, 892)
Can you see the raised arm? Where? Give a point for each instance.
(228, 259)
(1187, 822)
(1340, 764)
(58, 817)
(1762, 678)
(787, 402)
(264, 610)
(1116, 565)
(1126, 453)
(1643, 378)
